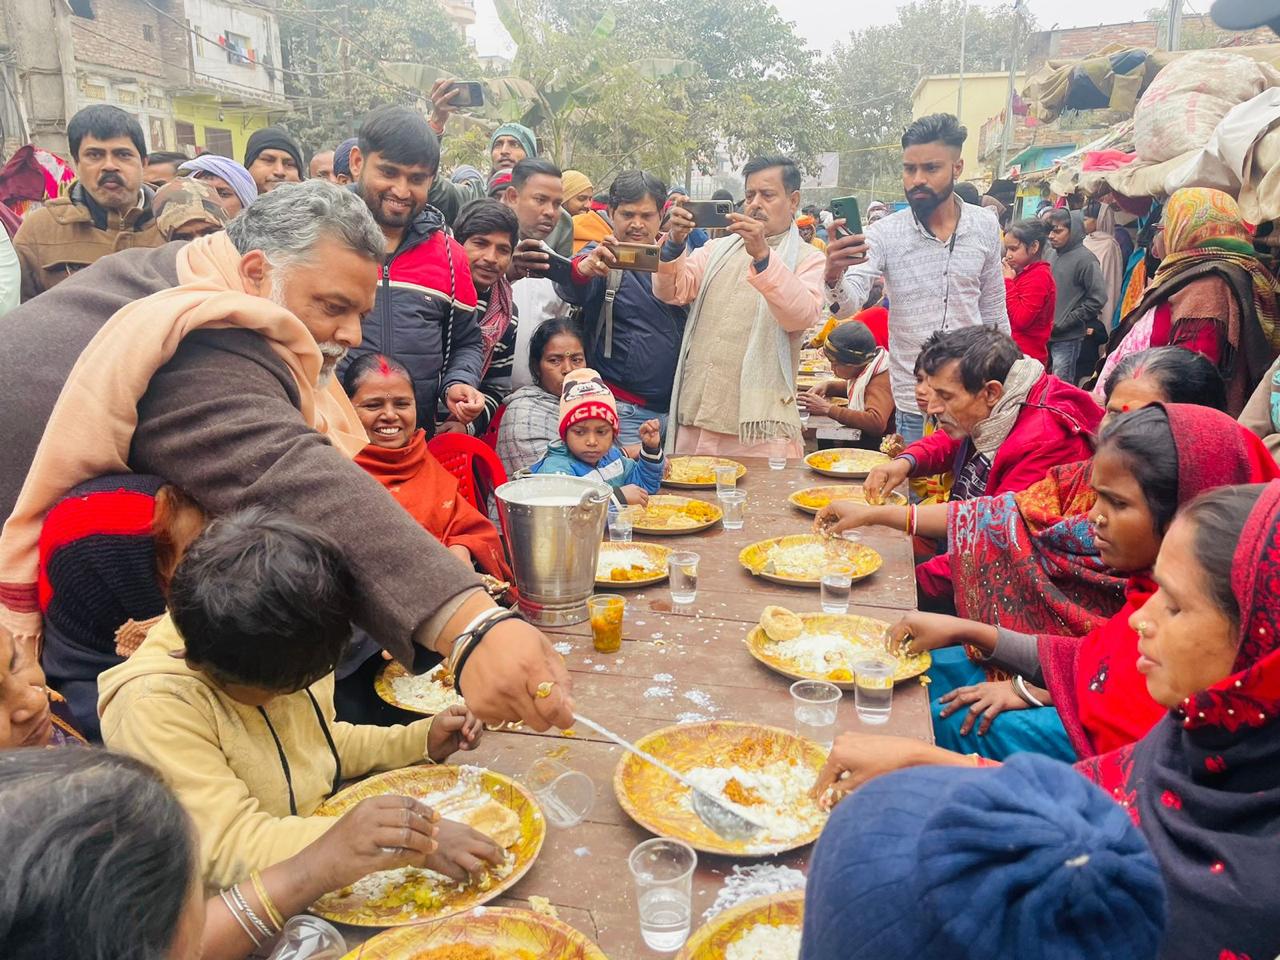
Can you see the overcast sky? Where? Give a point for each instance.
(822, 22)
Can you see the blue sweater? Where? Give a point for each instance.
(615, 468)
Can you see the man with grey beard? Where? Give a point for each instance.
(221, 420)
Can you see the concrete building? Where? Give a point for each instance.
(984, 94)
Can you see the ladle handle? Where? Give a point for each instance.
(648, 758)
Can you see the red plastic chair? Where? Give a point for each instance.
(473, 462)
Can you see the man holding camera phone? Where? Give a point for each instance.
(753, 293)
(941, 260)
(633, 338)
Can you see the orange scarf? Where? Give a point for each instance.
(429, 493)
(91, 428)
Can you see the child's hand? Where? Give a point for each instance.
(636, 496)
(451, 730)
(651, 435)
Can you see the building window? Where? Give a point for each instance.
(238, 51)
(217, 140)
(148, 34)
(185, 134)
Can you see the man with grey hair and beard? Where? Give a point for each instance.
(225, 420)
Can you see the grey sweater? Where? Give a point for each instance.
(1082, 290)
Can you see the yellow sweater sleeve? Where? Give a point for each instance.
(177, 736)
(365, 748)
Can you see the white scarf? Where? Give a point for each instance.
(993, 431)
(858, 388)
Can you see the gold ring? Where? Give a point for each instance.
(544, 689)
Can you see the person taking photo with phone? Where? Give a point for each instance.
(940, 258)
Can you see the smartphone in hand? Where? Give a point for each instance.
(637, 256)
(471, 93)
(559, 269)
(709, 214)
(846, 209)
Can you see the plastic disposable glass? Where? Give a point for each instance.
(836, 585)
(873, 695)
(309, 938)
(733, 505)
(726, 479)
(682, 574)
(606, 611)
(777, 463)
(565, 795)
(816, 704)
(804, 414)
(663, 873)
(621, 525)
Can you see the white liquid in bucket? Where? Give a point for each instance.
(546, 500)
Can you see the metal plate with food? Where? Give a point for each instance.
(813, 499)
(495, 805)
(633, 564)
(671, 516)
(698, 473)
(763, 773)
(844, 462)
(494, 933)
(763, 928)
(825, 646)
(426, 693)
(798, 560)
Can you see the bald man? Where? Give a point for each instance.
(322, 166)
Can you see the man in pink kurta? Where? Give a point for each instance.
(753, 293)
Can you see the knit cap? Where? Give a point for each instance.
(273, 138)
(342, 156)
(943, 863)
(585, 397)
(498, 182)
(575, 182)
(521, 133)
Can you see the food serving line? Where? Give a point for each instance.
(681, 665)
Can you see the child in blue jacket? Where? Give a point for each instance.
(588, 444)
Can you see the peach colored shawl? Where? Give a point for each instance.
(91, 428)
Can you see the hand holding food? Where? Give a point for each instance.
(635, 496)
(463, 851)
(380, 833)
(841, 515)
(917, 632)
(884, 478)
(856, 758)
(454, 729)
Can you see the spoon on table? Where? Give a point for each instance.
(720, 818)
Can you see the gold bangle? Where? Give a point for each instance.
(260, 888)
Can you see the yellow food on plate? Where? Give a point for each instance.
(802, 557)
(676, 513)
(845, 461)
(543, 907)
(813, 499)
(699, 470)
(465, 951)
(828, 648)
(630, 562)
(780, 623)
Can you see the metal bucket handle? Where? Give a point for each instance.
(591, 498)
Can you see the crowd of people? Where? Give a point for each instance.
(227, 389)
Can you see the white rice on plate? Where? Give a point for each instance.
(425, 691)
(783, 807)
(765, 942)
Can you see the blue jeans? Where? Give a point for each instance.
(631, 416)
(910, 425)
(1063, 356)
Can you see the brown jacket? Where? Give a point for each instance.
(220, 421)
(61, 238)
(876, 413)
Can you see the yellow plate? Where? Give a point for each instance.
(657, 562)
(659, 805)
(712, 940)
(807, 499)
(865, 561)
(696, 466)
(844, 463)
(809, 381)
(508, 934)
(863, 633)
(839, 401)
(650, 521)
(419, 782)
(384, 687)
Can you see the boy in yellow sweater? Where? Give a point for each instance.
(231, 698)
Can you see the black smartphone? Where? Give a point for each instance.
(559, 269)
(846, 209)
(471, 93)
(638, 256)
(710, 214)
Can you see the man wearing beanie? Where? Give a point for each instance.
(941, 863)
(588, 442)
(577, 192)
(342, 160)
(272, 157)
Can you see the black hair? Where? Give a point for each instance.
(544, 334)
(104, 122)
(99, 856)
(1220, 516)
(984, 354)
(263, 600)
(1060, 215)
(1030, 231)
(1183, 376)
(790, 172)
(161, 157)
(935, 128)
(1093, 209)
(632, 186)
(533, 167)
(968, 193)
(401, 135)
(369, 363)
(1145, 440)
(484, 216)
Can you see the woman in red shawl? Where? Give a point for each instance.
(381, 390)
(1204, 784)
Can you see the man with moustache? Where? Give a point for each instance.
(633, 338)
(940, 258)
(321, 167)
(107, 209)
(425, 313)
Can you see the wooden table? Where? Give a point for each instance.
(682, 664)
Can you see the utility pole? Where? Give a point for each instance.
(964, 29)
(1007, 132)
(1175, 24)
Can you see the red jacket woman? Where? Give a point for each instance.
(1029, 290)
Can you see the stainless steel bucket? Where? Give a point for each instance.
(553, 526)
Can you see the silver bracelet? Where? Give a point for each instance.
(1020, 688)
(230, 905)
(239, 898)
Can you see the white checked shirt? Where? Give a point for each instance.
(932, 285)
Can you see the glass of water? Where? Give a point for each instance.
(837, 583)
(804, 413)
(873, 695)
(663, 874)
(726, 478)
(816, 704)
(620, 526)
(682, 573)
(565, 795)
(777, 463)
(733, 504)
